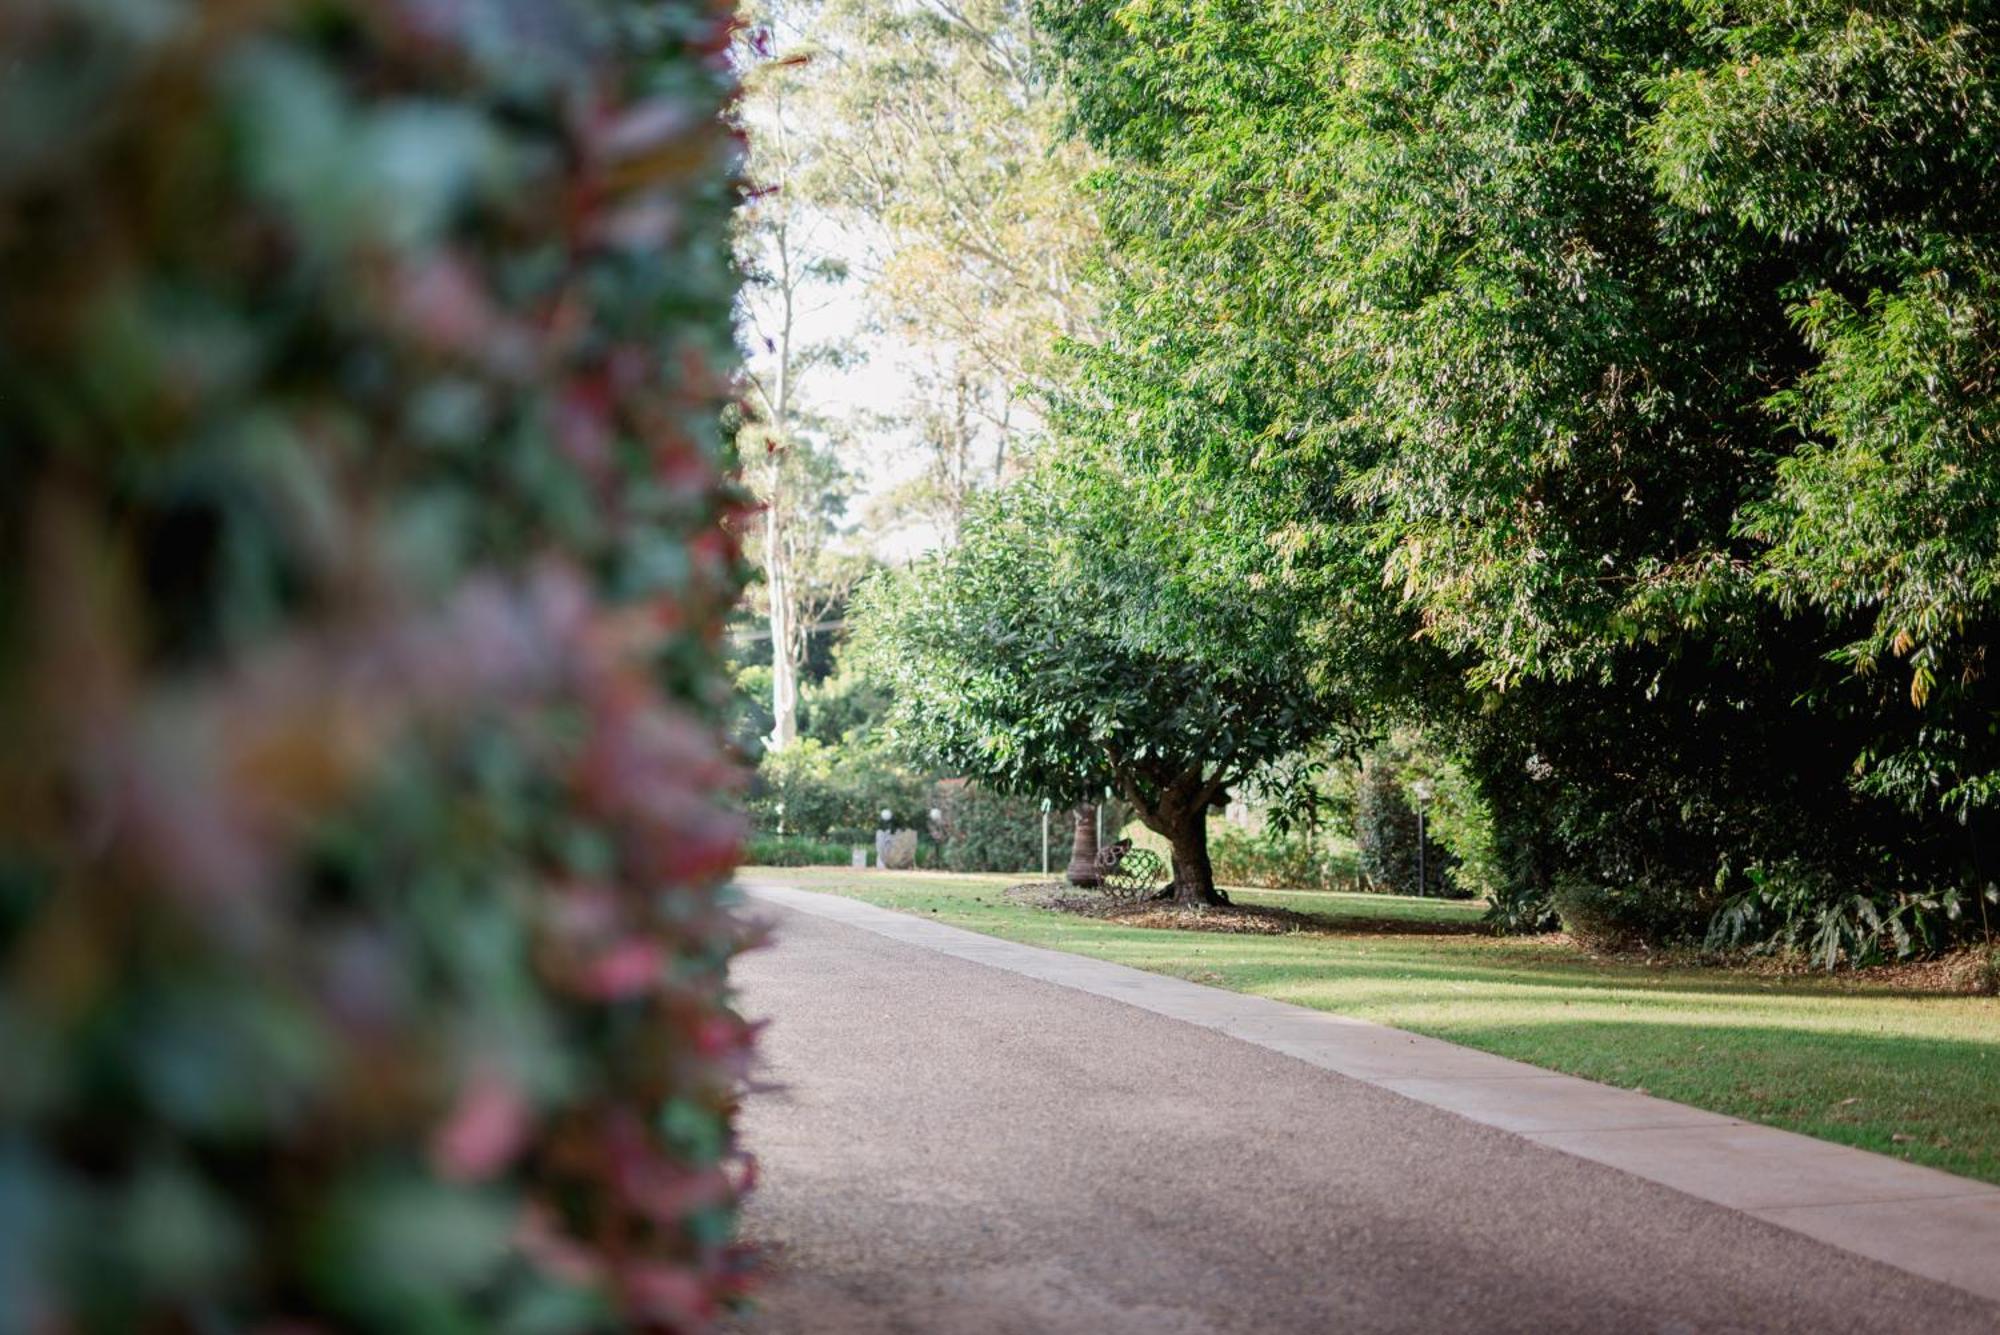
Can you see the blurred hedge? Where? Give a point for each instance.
(361, 567)
(790, 850)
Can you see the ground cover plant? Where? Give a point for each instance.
(362, 569)
(1884, 1068)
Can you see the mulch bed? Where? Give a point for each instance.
(1960, 973)
(1230, 919)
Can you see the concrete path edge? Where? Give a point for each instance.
(1927, 1222)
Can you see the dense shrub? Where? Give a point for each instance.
(1625, 916)
(361, 562)
(836, 792)
(1280, 859)
(1721, 806)
(847, 707)
(987, 831)
(834, 795)
(788, 850)
(1519, 907)
(1386, 832)
(750, 708)
(1795, 909)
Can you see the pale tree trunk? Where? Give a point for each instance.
(786, 659)
(784, 663)
(784, 702)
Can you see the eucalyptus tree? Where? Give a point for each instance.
(943, 157)
(1059, 651)
(790, 254)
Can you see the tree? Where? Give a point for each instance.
(790, 256)
(1055, 653)
(955, 162)
(963, 428)
(1530, 350)
(945, 162)
(807, 572)
(1857, 144)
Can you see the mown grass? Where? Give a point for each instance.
(1910, 1075)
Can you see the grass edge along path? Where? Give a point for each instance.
(1909, 1075)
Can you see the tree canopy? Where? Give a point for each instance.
(1055, 653)
(1605, 383)
(1602, 392)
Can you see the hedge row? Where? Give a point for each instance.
(827, 798)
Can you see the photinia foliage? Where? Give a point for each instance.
(362, 562)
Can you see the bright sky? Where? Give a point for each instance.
(883, 381)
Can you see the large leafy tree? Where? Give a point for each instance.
(1862, 145)
(1634, 351)
(1058, 651)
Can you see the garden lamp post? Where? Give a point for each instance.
(1423, 788)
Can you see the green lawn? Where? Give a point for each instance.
(1913, 1076)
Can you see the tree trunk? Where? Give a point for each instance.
(1194, 875)
(784, 703)
(1083, 849)
(784, 668)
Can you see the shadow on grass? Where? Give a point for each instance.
(1391, 951)
(1931, 1100)
(1359, 924)
(1246, 919)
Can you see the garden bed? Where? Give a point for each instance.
(1237, 919)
